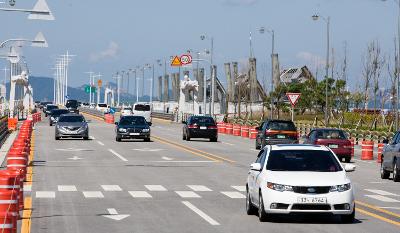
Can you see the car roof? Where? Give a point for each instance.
(72, 114)
(298, 147)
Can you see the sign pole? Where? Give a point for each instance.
(292, 113)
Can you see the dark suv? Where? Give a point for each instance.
(391, 158)
(72, 106)
(273, 132)
(200, 127)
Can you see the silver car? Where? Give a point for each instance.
(72, 126)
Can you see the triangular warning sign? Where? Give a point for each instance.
(176, 61)
(293, 98)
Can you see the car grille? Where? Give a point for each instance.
(312, 190)
(72, 128)
(134, 130)
(311, 207)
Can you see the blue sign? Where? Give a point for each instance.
(112, 110)
(67, 97)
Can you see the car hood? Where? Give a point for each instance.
(71, 124)
(307, 178)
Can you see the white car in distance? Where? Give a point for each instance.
(126, 111)
(299, 179)
(102, 107)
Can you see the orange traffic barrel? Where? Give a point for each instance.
(221, 127)
(228, 128)
(380, 150)
(12, 180)
(17, 163)
(236, 130)
(9, 202)
(367, 150)
(244, 131)
(8, 222)
(253, 132)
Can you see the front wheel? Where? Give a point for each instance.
(349, 218)
(347, 159)
(85, 138)
(118, 139)
(384, 174)
(214, 139)
(258, 146)
(262, 215)
(396, 172)
(250, 208)
(57, 138)
(147, 139)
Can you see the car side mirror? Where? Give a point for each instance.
(116, 123)
(349, 168)
(258, 128)
(184, 122)
(149, 123)
(255, 167)
(385, 141)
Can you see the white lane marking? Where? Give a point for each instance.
(45, 194)
(112, 211)
(113, 214)
(148, 150)
(199, 188)
(112, 188)
(239, 188)
(93, 194)
(187, 194)
(226, 143)
(234, 195)
(100, 143)
(381, 192)
(167, 158)
(75, 158)
(364, 161)
(389, 207)
(382, 198)
(182, 161)
(378, 182)
(255, 150)
(118, 155)
(140, 194)
(200, 213)
(67, 188)
(73, 149)
(155, 188)
(27, 188)
(93, 138)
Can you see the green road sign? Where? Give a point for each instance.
(87, 89)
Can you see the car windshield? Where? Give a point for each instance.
(127, 109)
(330, 134)
(132, 121)
(51, 107)
(72, 104)
(142, 107)
(59, 112)
(303, 160)
(102, 105)
(281, 125)
(72, 119)
(202, 121)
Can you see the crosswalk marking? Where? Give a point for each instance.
(140, 194)
(199, 188)
(155, 188)
(187, 194)
(382, 198)
(381, 192)
(93, 194)
(235, 195)
(45, 194)
(239, 188)
(112, 188)
(67, 188)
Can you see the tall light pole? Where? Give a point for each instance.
(327, 20)
(272, 32)
(90, 86)
(136, 83)
(40, 11)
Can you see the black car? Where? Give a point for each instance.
(43, 105)
(49, 108)
(72, 106)
(200, 127)
(132, 127)
(391, 158)
(272, 132)
(55, 115)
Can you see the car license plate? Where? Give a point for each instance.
(203, 127)
(311, 200)
(134, 134)
(281, 136)
(333, 146)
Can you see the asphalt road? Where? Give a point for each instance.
(170, 185)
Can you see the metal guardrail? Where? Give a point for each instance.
(164, 116)
(3, 130)
(93, 112)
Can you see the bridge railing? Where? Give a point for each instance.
(3, 129)
(93, 112)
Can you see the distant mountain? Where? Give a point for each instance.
(43, 89)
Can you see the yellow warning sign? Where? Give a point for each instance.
(176, 61)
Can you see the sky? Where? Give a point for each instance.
(114, 35)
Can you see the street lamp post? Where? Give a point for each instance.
(40, 11)
(327, 20)
(272, 32)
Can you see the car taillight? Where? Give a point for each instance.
(192, 126)
(348, 145)
(212, 127)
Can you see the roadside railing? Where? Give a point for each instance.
(3, 129)
(164, 116)
(91, 111)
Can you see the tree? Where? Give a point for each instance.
(367, 72)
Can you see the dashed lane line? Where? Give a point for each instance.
(67, 188)
(199, 188)
(118, 155)
(100, 143)
(234, 195)
(381, 192)
(203, 215)
(383, 198)
(111, 188)
(93, 194)
(140, 194)
(187, 194)
(157, 188)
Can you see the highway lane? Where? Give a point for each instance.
(162, 185)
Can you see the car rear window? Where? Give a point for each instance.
(127, 109)
(72, 104)
(71, 119)
(142, 107)
(51, 107)
(202, 120)
(59, 112)
(303, 160)
(281, 125)
(102, 105)
(330, 134)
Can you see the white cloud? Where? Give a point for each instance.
(110, 52)
(239, 2)
(311, 59)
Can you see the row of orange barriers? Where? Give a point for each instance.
(367, 151)
(109, 118)
(11, 179)
(244, 131)
(13, 122)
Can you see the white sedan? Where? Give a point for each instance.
(299, 179)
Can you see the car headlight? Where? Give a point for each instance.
(340, 188)
(52, 118)
(122, 130)
(280, 187)
(145, 130)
